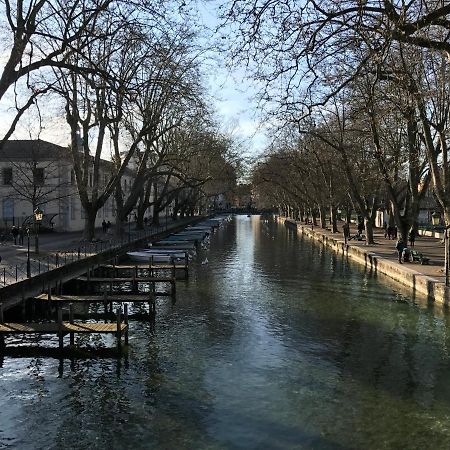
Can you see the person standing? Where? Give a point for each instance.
(15, 233)
(400, 246)
(412, 237)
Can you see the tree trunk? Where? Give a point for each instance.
(333, 219)
(323, 220)
(89, 225)
(369, 231)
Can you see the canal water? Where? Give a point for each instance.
(273, 343)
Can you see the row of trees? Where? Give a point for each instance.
(358, 93)
(127, 75)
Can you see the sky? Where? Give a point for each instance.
(230, 92)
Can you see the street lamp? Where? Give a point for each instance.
(435, 218)
(38, 215)
(28, 254)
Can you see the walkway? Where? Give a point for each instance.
(57, 248)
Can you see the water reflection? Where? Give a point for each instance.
(275, 343)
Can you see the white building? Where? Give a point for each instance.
(36, 172)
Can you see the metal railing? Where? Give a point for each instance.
(18, 272)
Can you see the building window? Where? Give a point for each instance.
(7, 175)
(38, 176)
(8, 209)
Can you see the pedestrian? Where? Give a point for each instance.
(400, 246)
(21, 235)
(385, 229)
(346, 232)
(360, 228)
(104, 226)
(395, 232)
(412, 237)
(15, 233)
(108, 225)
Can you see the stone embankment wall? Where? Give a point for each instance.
(420, 284)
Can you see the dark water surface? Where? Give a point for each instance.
(275, 343)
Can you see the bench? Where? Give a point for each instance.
(417, 256)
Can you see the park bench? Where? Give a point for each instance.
(417, 256)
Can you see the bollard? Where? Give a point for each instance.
(60, 325)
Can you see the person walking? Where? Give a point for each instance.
(21, 235)
(412, 237)
(15, 233)
(400, 246)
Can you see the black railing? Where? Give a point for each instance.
(18, 272)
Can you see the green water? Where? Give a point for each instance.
(274, 343)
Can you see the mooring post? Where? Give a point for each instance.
(173, 266)
(125, 319)
(119, 328)
(2, 336)
(186, 265)
(60, 325)
(152, 306)
(72, 334)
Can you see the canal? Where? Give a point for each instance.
(274, 342)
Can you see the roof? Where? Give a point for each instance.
(39, 150)
(35, 149)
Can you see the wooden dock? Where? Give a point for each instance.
(116, 269)
(118, 298)
(111, 281)
(71, 328)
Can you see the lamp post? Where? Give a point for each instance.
(38, 215)
(28, 254)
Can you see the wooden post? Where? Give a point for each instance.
(60, 324)
(105, 305)
(152, 306)
(119, 330)
(125, 319)
(173, 266)
(186, 265)
(72, 335)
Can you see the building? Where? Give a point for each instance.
(39, 173)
